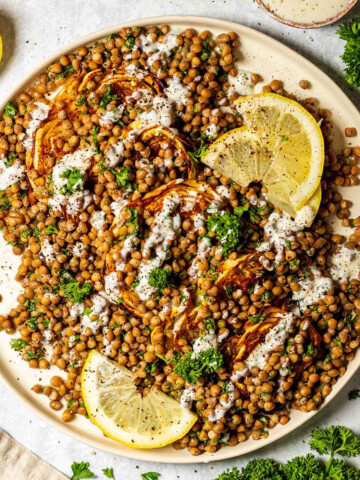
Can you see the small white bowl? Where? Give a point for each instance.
(315, 24)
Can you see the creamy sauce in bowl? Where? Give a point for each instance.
(307, 13)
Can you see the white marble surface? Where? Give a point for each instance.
(33, 29)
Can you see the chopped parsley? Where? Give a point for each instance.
(129, 42)
(94, 133)
(26, 233)
(309, 350)
(349, 319)
(122, 177)
(107, 97)
(72, 289)
(199, 153)
(33, 322)
(37, 232)
(75, 181)
(81, 101)
(284, 138)
(10, 110)
(206, 50)
(257, 318)
(51, 229)
(31, 355)
(133, 220)
(161, 278)
(11, 156)
(66, 70)
(5, 203)
(208, 324)
(227, 229)
(18, 344)
(192, 368)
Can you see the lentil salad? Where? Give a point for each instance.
(251, 405)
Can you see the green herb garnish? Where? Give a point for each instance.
(228, 230)
(192, 368)
(72, 289)
(350, 32)
(75, 181)
(10, 110)
(66, 70)
(161, 278)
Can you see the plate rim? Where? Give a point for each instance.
(276, 433)
(338, 16)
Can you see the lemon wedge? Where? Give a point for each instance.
(281, 146)
(123, 414)
(1, 48)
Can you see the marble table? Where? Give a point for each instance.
(33, 29)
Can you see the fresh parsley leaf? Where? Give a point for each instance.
(350, 32)
(335, 440)
(262, 469)
(10, 110)
(340, 470)
(81, 470)
(108, 472)
(354, 394)
(234, 474)
(150, 476)
(304, 468)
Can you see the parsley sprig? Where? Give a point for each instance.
(107, 97)
(191, 368)
(72, 289)
(350, 32)
(75, 181)
(227, 229)
(81, 470)
(161, 278)
(334, 440)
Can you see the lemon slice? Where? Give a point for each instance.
(123, 414)
(1, 48)
(281, 145)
